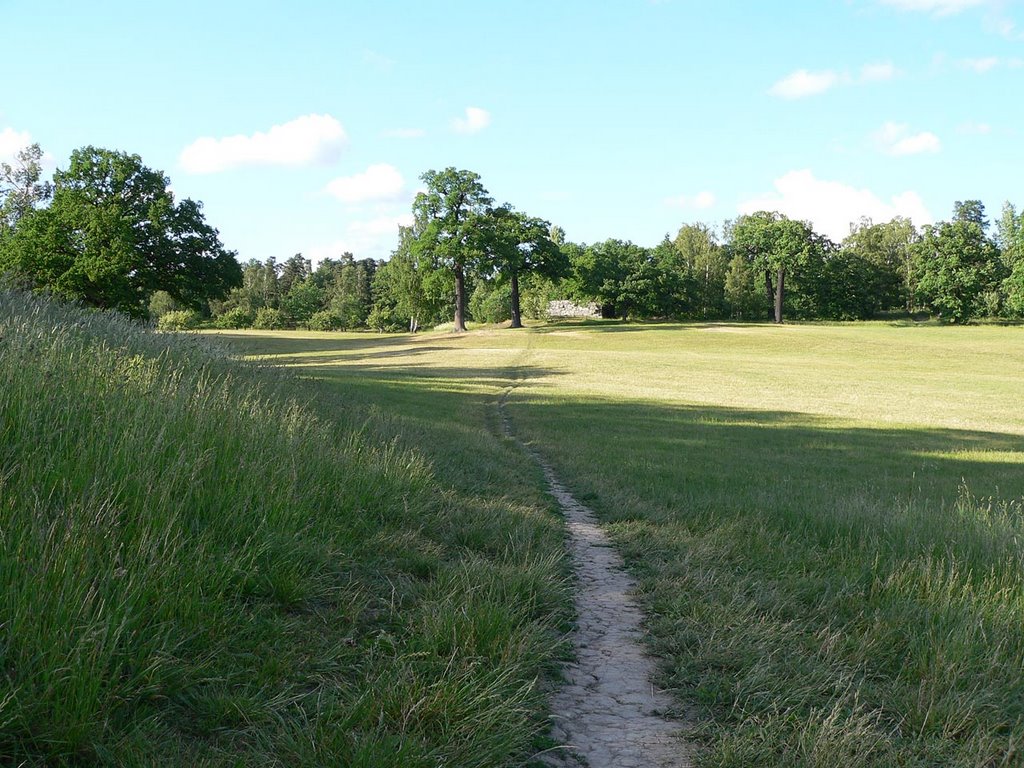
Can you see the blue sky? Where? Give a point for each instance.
(304, 126)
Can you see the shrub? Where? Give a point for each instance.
(491, 303)
(268, 319)
(238, 317)
(178, 320)
(325, 320)
(160, 303)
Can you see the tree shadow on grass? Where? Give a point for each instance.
(272, 344)
(687, 457)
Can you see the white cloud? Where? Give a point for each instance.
(372, 238)
(936, 7)
(405, 133)
(701, 201)
(378, 182)
(974, 129)
(874, 73)
(802, 83)
(474, 121)
(832, 206)
(896, 140)
(304, 141)
(12, 142)
(979, 66)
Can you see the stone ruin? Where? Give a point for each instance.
(566, 308)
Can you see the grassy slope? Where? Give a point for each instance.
(201, 563)
(826, 519)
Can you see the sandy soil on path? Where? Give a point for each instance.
(607, 714)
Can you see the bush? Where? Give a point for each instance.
(160, 303)
(325, 320)
(385, 318)
(268, 319)
(178, 320)
(490, 303)
(236, 318)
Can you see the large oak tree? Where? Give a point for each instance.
(520, 244)
(113, 235)
(449, 227)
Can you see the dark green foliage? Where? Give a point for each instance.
(326, 320)
(888, 248)
(302, 300)
(160, 303)
(517, 245)
(959, 267)
(491, 302)
(237, 317)
(411, 290)
(450, 229)
(113, 235)
(269, 319)
(706, 263)
(178, 320)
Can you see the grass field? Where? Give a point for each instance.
(825, 520)
(207, 564)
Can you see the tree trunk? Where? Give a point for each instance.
(779, 287)
(517, 317)
(460, 300)
(771, 295)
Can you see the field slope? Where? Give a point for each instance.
(206, 563)
(825, 519)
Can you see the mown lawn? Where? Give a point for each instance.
(826, 519)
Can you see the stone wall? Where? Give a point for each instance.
(565, 308)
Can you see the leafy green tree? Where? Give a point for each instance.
(518, 244)
(707, 265)
(294, 270)
(744, 300)
(408, 290)
(303, 299)
(599, 273)
(889, 247)
(22, 189)
(491, 301)
(959, 266)
(448, 227)
(113, 235)
(350, 291)
(160, 303)
(772, 243)
(1010, 236)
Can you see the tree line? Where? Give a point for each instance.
(108, 232)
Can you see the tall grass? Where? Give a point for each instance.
(208, 563)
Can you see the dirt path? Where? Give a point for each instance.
(607, 714)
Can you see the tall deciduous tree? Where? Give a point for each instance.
(887, 246)
(448, 226)
(708, 266)
(22, 188)
(772, 243)
(519, 244)
(959, 266)
(113, 235)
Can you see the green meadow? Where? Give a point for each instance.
(825, 520)
(205, 562)
(329, 554)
